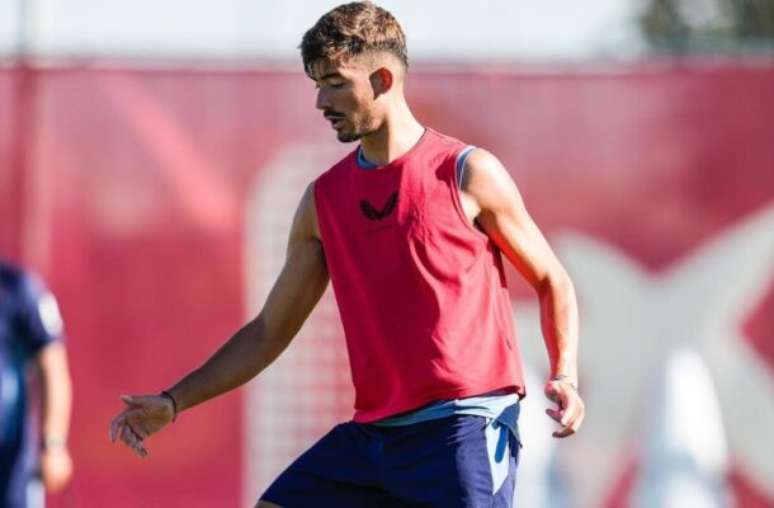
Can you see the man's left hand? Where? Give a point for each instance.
(570, 409)
(56, 468)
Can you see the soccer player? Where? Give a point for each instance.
(409, 228)
(30, 335)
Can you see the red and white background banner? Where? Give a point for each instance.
(157, 204)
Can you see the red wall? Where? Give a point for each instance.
(130, 192)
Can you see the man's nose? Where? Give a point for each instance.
(323, 99)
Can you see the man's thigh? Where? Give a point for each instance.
(459, 462)
(339, 471)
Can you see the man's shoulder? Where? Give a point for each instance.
(11, 276)
(24, 285)
(446, 141)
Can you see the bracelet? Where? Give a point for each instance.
(168, 395)
(565, 378)
(53, 443)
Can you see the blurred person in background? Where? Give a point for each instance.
(31, 336)
(410, 228)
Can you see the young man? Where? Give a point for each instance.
(409, 228)
(30, 335)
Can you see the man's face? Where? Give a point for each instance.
(346, 97)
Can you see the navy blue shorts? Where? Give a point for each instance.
(459, 461)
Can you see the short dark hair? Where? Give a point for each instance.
(350, 30)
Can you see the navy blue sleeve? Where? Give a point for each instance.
(39, 319)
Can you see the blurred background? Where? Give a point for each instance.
(152, 154)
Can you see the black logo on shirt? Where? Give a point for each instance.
(372, 213)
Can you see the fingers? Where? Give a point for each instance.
(132, 401)
(130, 438)
(138, 401)
(113, 431)
(131, 433)
(570, 418)
(115, 426)
(120, 420)
(140, 432)
(570, 411)
(555, 414)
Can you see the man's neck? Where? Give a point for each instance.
(396, 137)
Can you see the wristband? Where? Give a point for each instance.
(52, 443)
(565, 378)
(169, 396)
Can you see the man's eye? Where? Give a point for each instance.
(328, 85)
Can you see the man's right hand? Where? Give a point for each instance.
(143, 416)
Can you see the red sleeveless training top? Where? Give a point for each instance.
(421, 292)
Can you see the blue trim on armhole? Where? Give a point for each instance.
(462, 157)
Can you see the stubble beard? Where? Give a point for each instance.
(348, 137)
(356, 133)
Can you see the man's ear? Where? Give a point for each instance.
(382, 80)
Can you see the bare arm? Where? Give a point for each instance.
(490, 196)
(56, 402)
(297, 290)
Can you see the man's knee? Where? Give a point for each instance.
(266, 504)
